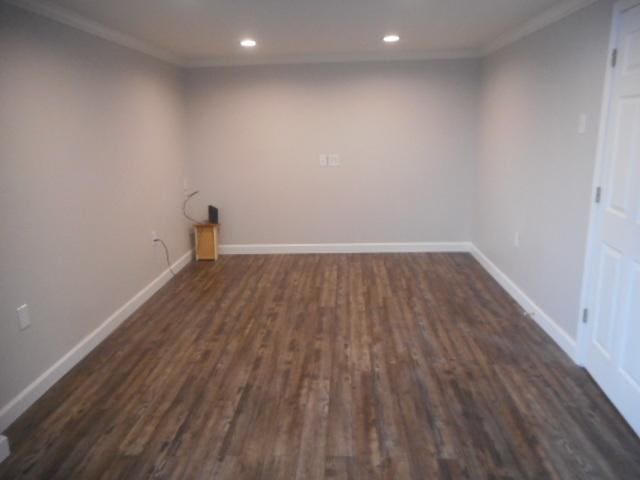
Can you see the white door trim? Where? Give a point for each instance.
(584, 329)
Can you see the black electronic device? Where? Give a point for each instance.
(213, 214)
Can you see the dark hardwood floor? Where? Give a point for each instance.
(390, 366)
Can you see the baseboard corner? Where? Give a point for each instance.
(550, 326)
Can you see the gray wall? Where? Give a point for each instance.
(535, 171)
(92, 141)
(405, 132)
(91, 154)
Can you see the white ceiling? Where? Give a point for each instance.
(208, 31)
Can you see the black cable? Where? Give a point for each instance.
(184, 208)
(166, 254)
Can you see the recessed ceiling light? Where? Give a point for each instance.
(390, 38)
(248, 42)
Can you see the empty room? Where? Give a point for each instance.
(320, 239)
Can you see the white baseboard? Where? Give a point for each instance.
(11, 411)
(344, 248)
(4, 448)
(557, 333)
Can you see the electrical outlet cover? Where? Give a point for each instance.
(5, 451)
(24, 319)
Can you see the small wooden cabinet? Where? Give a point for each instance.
(206, 235)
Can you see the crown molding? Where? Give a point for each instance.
(67, 17)
(79, 22)
(552, 15)
(333, 58)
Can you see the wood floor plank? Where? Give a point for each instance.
(373, 366)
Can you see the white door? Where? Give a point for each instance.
(613, 350)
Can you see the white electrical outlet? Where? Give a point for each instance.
(323, 160)
(582, 124)
(154, 235)
(24, 319)
(186, 187)
(5, 451)
(333, 160)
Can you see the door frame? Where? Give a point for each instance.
(589, 269)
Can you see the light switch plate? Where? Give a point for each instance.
(334, 160)
(323, 160)
(24, 319)
(582, 124)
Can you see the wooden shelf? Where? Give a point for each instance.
(206, 235)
